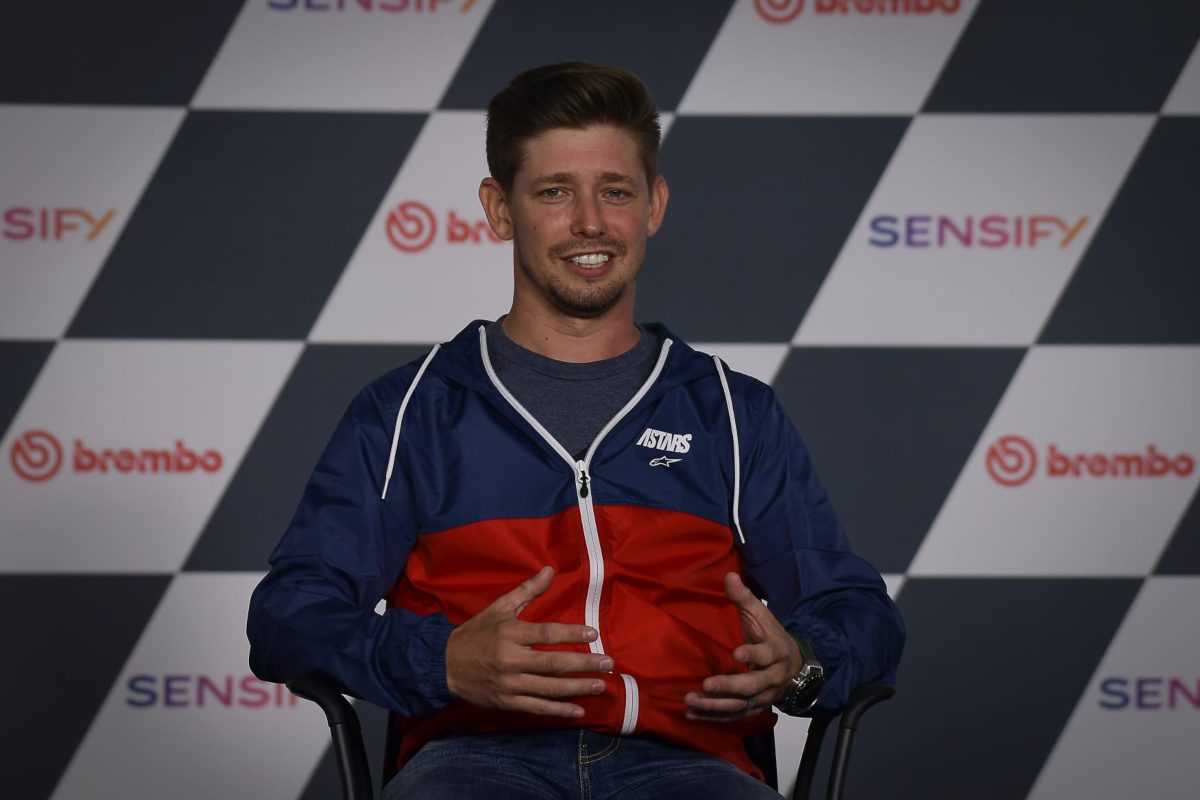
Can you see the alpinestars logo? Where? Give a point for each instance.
(662, 440)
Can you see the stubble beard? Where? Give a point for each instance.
(586, 300)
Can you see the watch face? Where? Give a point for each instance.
(806, 688)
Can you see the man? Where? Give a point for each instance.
(560, 507)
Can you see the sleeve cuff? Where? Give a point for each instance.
(831, 648)
(438, 690)
(411, 667)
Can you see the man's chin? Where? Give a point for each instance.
(589, 305)
(584, 310)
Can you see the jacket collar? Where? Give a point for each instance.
(461, 361)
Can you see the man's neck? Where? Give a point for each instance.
(572, 339)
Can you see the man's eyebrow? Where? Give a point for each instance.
(567, 177)
(557, 177)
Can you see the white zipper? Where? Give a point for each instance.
(587, 513)
(591, 537)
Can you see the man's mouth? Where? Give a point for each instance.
(593, 256)
(590, 259)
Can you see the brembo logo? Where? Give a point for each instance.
(661, 440)
(780, 12)
(37, 456)
(23, 223)
(412, 226)
(974, 230)
(1012, 461)
(392, 6)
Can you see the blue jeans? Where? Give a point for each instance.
(568, 763)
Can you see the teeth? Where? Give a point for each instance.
(590, 259)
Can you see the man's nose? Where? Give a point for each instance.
(588, 219)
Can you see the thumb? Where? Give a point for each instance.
(515, 601)
(751, 607)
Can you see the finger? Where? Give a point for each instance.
(716, 716)
(744, 685)
(550, 633)
(542, 707)
(515, 601)
(702, 704)
(558, 662)
(551, 688)
(761, 655)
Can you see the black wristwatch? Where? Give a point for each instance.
(806, 684)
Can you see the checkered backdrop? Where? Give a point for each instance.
(958, 237)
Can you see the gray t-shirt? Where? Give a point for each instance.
(571, 401)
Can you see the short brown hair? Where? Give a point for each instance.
(571, 95)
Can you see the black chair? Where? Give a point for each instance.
(355, 773)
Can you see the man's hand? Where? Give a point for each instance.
(490, 661)
(773, 656)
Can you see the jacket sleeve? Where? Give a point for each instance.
(313, 615)
(800, 562)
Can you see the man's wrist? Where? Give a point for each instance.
(806, 683)
(798, 651)
(804, 647)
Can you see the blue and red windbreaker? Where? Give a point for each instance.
(440, 493)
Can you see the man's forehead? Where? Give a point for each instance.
(603, 152)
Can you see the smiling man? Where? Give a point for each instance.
(572, 517)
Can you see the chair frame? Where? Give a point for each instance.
(355, 773)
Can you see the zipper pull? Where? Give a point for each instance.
(583, 483)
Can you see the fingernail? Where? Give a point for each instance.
(578, 712)
(589, 635)
(597, 687)
(606, 665)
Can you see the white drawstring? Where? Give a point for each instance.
(400, 416)
(737, 457)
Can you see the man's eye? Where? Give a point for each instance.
(618, 194)
(553, 192)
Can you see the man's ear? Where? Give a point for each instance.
(659, 194)
(495, 206)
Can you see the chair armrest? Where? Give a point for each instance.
(337, 708)
(346, 732)
(861, 700)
